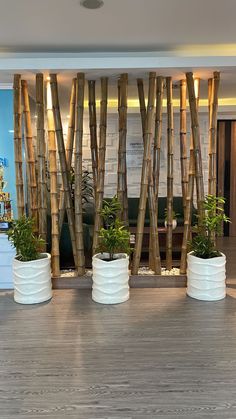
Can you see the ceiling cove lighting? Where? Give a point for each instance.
(92, 4)
(134, 103)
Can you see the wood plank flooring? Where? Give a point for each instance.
(160, 355)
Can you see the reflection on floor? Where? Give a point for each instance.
(160, 355)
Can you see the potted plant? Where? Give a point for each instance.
(206, 264)
(111, 264)
(174, 219)
(31, 269)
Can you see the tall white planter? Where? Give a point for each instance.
(110, 279)
(174, 224)
(206, 278)
(32, 280)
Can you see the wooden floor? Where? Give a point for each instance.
(160, 355)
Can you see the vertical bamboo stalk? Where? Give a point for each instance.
(183, 142)
(41, 153)
(145, 179)
(69, 150)
(196, 144)
(157, 135)
(101, 161)
(55, 253)
(195, 169)
(143, 113)
(209, 99)
(18, 146)
(122, 167)
(93, 130)
(142, 105)
(197, 97)
(63, 163)
(170, 152)
(78, 172)
(189, 194)
(154, 251)
(30, 158)
(213, 133)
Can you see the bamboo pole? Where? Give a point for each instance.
(63, 163)
(143, 113)
(196, 144)
(18, 146)
(213, 133)
(55, 253)
(183, 142)
(69, 150)
(157, 135)
(93, 130)
(197, 96)
(154, 251)
(145, 180)
(195, 169)
(157, 154)
(101, 162)
(209, 99)
(189, 194)
(170, 152)
(41, 153)
(78, 172)
(30, 158)
(122, 167)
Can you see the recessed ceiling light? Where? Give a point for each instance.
(92, 4)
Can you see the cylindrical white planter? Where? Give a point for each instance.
(206, 278)
(174, 224)
(32, 280)
(110, 279)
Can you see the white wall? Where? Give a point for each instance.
(134, 155)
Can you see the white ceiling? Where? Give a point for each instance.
(120, 25)
(133, 36)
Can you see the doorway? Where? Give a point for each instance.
(226, 171)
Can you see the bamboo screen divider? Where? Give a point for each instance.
(70, 156)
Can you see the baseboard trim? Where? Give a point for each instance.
(136, 281)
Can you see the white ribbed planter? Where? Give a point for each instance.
(206, 278)
(174, 224)
(32, 280)
(110, 279)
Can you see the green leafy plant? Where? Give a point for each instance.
(110, 211)
(203, 243)
(175, 215)
(87, 185)
(114, 236)
(22, 237)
